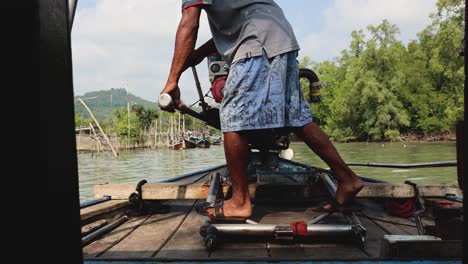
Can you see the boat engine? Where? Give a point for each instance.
(218, 71)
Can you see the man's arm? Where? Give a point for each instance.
(186, 38)
(201, 53)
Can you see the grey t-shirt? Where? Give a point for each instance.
(244, 28)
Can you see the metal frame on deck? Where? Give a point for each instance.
(214, 232)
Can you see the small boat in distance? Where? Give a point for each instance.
(203, 143)
(217, 141)
(190, 144)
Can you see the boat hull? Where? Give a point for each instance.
(203, 144)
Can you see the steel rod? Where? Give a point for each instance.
(329, 183)
(199, 89)
(96, 201)
(214, 187)
(86, 239)
(264, 230)
(352, 218)
(407, 166)
(251, 222)
(318, 219)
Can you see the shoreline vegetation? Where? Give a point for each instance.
(88, 143)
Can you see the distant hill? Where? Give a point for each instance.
(102, 103)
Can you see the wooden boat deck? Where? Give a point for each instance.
(174, 236)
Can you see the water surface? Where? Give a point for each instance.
(163, 163)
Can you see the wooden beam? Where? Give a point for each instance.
(102, 208)
(401, 190)
(120, 191)
(174, 190)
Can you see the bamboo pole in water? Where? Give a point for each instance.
(156, 134)
(160, 131)
(98, 141)
(183, 131)
(168, 132)
(79, 134)
(95, 140)
(178, 131)
(171, 143)
(97, 123)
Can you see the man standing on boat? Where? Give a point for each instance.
(262, 90)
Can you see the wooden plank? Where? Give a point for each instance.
(119, 191)
(396, 190)
(149, 237)
(175, 190)
(231, 250)
(282, 214)
(187, 243)
(96, 248)
(374, 235)
(102, 208)
(163, 191)
(156, 191)
(392, 225)
(338, 251)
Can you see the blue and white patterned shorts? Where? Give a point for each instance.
(264, 93)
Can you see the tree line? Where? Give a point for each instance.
(380, 89)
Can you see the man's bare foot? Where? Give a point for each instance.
(347, 191)
(234, 208)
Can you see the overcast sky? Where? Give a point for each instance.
(129, 43)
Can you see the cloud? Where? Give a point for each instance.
(344, 16)
(130, 41)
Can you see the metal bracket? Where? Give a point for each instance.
(284, 233)
(420, 205)
(146, 207)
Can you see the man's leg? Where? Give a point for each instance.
(237, 150)
(348, 183)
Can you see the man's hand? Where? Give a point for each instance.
(173, 90)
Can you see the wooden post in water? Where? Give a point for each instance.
(97, 123)
(156, 134)
(160, 130)
(179, 133)
(98, 142)
(79, 133)
(91, 138)
(183, 131)
(168, 131)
